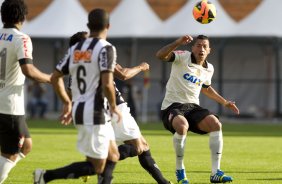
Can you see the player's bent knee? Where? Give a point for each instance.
(180, 125)
(216, 125)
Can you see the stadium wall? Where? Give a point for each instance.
(246, 71)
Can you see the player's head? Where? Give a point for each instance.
(201, 47)
(77, 37)
(13, 12)
(98, 20)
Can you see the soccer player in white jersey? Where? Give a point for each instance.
(15, 64)
(130, 141)
(191, 74)
(91, 64)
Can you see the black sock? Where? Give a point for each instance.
(150, 165)
(126, 150)
(74, 170)
(107, 176)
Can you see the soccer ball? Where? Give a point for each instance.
(204, 12)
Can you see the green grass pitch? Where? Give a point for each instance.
(252, 154)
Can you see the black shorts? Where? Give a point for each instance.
(13, 130)
(192, 112)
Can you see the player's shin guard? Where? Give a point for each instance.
(216, 146)
(179, 142)
(126, 150)
(74, 170)
(6, 166)
(107, 176)
(149, 164)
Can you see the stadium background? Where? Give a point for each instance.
(245, 41)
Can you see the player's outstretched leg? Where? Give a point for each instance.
(220, 177)
(74, 170)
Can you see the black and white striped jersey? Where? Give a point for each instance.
(84, 62)
(119, 98)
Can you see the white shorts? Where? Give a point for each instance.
(94, 140)
(128, 128)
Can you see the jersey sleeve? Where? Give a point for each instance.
(107, 58)
(209, 77)
(63, 65)
(181, 56)
(24, 48)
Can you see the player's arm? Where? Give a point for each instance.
(211, 93)
(59, 87)
(127, 73)
(109, 92)
(68, 89)
(166, 53)
(30, 71)
(23, 48)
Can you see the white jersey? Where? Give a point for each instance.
(186, 80)
(15, 47)
(84, 62)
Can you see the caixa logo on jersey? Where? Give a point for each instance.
(192, 79)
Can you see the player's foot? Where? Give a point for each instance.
(170, 182)
(38, 176)
(181, 177)
(85, 178)
(220, 177)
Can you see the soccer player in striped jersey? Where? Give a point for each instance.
(128, 136)
(190, 75)
(16, 63)
(91, 64)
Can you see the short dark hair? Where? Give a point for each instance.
(77, 37)
(98, 20)
(13, 11)
(202, 37)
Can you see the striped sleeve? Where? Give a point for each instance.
(63, 65)
(107, 58)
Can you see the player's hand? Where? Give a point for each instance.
(184, 40)
(231, 105)
(66, 117)
(116, 115)
(144, 66)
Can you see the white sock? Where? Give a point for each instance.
(216, 146)
(5, 167)
(179, 147)
(20, 156)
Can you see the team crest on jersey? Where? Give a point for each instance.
(192, 79)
